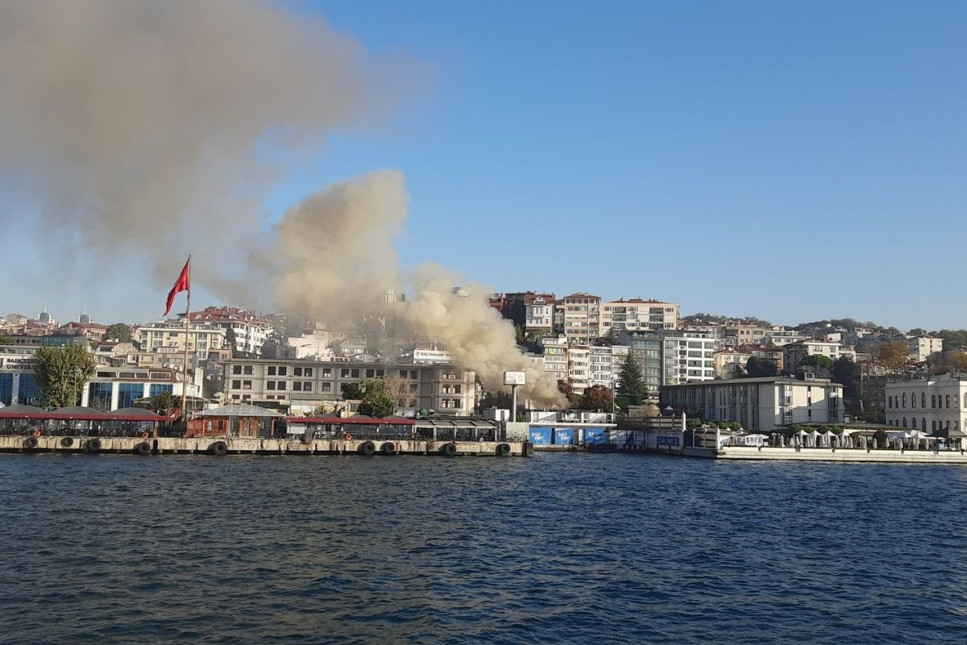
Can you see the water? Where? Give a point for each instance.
(562, 548)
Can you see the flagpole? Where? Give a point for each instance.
(184, 376)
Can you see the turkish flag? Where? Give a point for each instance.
(181, 284)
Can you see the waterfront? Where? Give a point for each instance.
(577, 548)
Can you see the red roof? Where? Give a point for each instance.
(356, 420)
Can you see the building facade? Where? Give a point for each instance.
(759, 404)
(638, 315)
(302, 385)
(928, 405)
(580, 318)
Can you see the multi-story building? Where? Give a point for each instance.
(539, 314)
(759, 404)
(737, 334)
(932, 405)
(555, 356)
(578, 368)
(303, 385)
(923, 346)
(793, 353)
(18, 383)
(168, 340)
(580, 318)
(250, 330)
(671, 356)
(687, 357)
(779, 337)
(638, 315)
(728, 362)
(604, 364)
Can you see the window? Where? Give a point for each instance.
(414, 376)
(246, 385)
(307, 372)
(923, 404)
(247, 370)
(933, 400)
(370, 373)
(282, 371)
(236, 369)
(307, 386)
(326, 372)
(402, 373)
(344, 373)
(270, 385)
(354, 373)
(281, 385)
(271, 371)
(236, 385)
(326, 387)
(297, 371)
(947, 401)
(297, 386)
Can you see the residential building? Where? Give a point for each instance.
(759, 404)
(793, 353)
(671, 356)
(780, 336)
(578, 368)
(555, 356)
(729, 362)
(737, 334)
(250, 330)
(923, 346)
(604, 364)
(539, 314)
(580, 318)
(929, 405)
(168, 339)
(638, 315)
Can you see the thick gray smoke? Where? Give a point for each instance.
(140, 124)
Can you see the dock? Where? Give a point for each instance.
(223, 446)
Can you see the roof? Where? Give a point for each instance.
(354, 420)
(77, 413)
(238, 410)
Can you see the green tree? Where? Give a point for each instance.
(631, 382)
(5, 340)
(62, 372)
(597, 397)
(846, 373)
(351, 391)
(377, 400)
(759, 367)
(118, 331)
(162, 403)
(817, 360)
(893, 355)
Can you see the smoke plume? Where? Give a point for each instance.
(149, 127)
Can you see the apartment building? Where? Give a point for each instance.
(793, 353)
(759, 404)
(555, 356)
(604, 364)
(638, 315)
(303, 385)
(578, 368)
(923, 346)
(539, 314)
(671, 356)
(736, 334)
(249, 329)
(929, 405)
(580, 318)
(728, 362)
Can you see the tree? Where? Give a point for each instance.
(631, 382)
(567, 390)
(817, 360)
(118, 331)
(62, 372)
(893, 355)
(162, 403)
(231, 341)
(377, 400)
(597, 397)
(760, 367)
(402, 391)
(351, 391)
(846, 373)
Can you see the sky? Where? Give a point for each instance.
(789, 161)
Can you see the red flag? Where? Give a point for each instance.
(181, 284)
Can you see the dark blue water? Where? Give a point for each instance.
(564, 548)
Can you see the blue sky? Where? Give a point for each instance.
(791, 161)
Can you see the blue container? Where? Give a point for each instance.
(594, 437)
(540, 436)
(563, 436)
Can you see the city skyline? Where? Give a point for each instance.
(792, 163)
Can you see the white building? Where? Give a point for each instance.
(578, 368)
(687, 357)
(928, 405)
(759, 404)
(539, 315)
(923, 346)
(580, 318)
(555, 357)
(636, 314)
(604, 364)
(793, 353)
(729, 361)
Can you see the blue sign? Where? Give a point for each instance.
(563, 436)
(540, 436)
(668, 441)
(594, 436)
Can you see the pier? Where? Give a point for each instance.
(222, 446)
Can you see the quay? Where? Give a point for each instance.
(219, 447)
(854, 455)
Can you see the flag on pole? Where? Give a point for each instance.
(181, 284)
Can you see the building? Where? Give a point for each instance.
(638, 315)
(737, 334)
(539, 314)
(929, 405)
(555, 356)
(728, 363)
(759, 404)
(793, 353)
(580, 318)
(248, 329)
(18, 384)
(604, 364)
(113, 388)
(671, 356)
(923, 346)
(167, 340)
(305, 385)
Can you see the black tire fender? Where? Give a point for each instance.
(367, 448)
